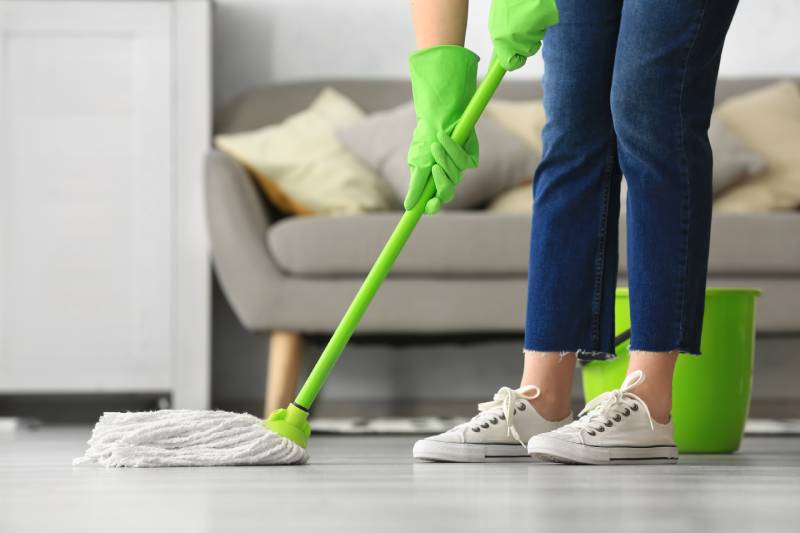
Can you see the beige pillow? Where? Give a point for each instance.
(768, 121)
(516, 200)
(303, 168)
(524, 118)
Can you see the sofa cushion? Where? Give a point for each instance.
(767, 120)
(733, 161)
(450, 243)
(480, 244)
(302, 167)
(381, 141)
(525, 118)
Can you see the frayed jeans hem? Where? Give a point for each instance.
(583, 355)
(679, 350)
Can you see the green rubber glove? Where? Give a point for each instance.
(517, 28)
(443, 79)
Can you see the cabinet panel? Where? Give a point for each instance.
(85, 196)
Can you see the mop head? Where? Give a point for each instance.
(187, 438)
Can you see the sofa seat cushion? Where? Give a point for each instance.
(468, 243)
(476, 244)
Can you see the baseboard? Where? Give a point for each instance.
(77, 408)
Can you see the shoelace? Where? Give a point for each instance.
(608, 408)
(504, 406)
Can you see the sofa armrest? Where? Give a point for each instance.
(237, 223)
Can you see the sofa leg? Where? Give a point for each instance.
(285, 352)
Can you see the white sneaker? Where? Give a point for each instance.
(614, 428)
(497, 433)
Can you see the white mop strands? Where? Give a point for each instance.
(180, 437)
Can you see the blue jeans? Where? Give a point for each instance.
(628, 89)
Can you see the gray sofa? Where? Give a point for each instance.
(462, 272)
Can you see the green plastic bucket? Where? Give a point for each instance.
(710, 393)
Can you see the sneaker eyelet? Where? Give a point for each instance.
(601, 429)
(493, 421)
(591, 433)
(502, 416)
(485, 425)
(635, 407)
(609, 424)
(515, 411)
(617, 418)
(626, 412)
(476, 430)
(521, 407)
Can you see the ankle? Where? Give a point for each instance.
(656, 390)
(553, 407)
(658, 403)
(552, 373)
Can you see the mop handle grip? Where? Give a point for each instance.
(383, 264)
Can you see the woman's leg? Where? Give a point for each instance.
(663, 91)
(656, 390)
(662, 96)
(573, 251)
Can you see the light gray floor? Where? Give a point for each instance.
(371, 484)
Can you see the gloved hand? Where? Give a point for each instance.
(517, 28)
(443, 79)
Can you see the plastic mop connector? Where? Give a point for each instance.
(292, 423)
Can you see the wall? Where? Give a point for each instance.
(263, 41)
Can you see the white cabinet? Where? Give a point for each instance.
(104, 119)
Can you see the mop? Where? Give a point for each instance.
(219, 438)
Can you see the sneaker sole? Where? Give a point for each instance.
(451, 452)
(559, 451)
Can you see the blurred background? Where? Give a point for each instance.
(156, 250)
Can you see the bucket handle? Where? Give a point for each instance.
(622, 337)
(619, 339)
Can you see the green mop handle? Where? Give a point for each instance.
(392, 249)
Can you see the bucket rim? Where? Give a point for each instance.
(711, 291)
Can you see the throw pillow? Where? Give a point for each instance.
(768, 121)
(381, 141)
(302, 167)
(516, 200)
(525, 118)
(733, 161)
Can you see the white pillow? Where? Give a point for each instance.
(301, 165)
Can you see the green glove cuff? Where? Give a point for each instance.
(517, 28)
(443, 79)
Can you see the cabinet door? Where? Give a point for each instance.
(85, 196)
